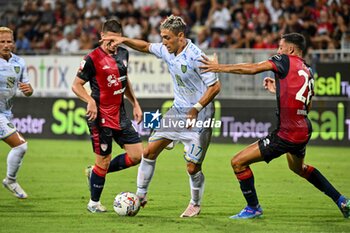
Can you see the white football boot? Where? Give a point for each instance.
(14, 188)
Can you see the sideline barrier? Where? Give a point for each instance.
(242, 121)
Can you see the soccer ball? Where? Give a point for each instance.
(126, 204)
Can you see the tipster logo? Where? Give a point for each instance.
(152, 120)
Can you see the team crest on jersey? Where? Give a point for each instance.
(183, 68)
(82, 64)
(104, 147)
(125, 62)
(112, 80)
(17, 69)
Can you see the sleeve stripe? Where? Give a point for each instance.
(274, 66)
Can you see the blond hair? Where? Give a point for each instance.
(175, 24)
(5, 29)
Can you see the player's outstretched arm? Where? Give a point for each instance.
(139, 45)
(241, 68)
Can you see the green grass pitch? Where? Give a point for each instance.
(53, 176)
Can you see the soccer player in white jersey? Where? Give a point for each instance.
(13, 75)
(193, 92)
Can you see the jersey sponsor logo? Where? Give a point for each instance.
(17, 69)
(179, 81)
(112, 80)
(105, 67)
(183, 68)
(119, 91)
(10, 82)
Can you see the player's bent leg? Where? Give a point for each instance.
(144, 177)
(134, 152)
(147, 166)
(196, 178)
(245, 157)
(14, 162)
(240, 164)
(131, 158)
(97, 181)
(316, 178)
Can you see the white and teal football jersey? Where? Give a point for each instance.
(188, 82)
(11, 72)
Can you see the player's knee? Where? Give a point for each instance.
(135, 158)
(103, 162)
(146, 153)
(22, 148)
(301, 171)
(236, 164)
(297, 171)
(193, 168)
(306, 171)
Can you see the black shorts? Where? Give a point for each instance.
(101, 137)
(272, 146)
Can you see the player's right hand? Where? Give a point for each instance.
(91, 111)
(209, 65)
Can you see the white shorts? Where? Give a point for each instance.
(196, 142)
(6, 127)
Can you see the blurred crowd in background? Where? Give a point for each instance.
(70, 26)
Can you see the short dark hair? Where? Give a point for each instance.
(296, 39)
(112, 25)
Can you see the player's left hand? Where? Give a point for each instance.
(269, 84)
(137, 113)
(25, 88)
(209, 65)
(191, 115)
(114, 40)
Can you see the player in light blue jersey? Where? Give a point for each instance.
(13, 75)
(194, 92)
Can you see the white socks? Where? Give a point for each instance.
(144, 175)
(197, 187)
(14, 160)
